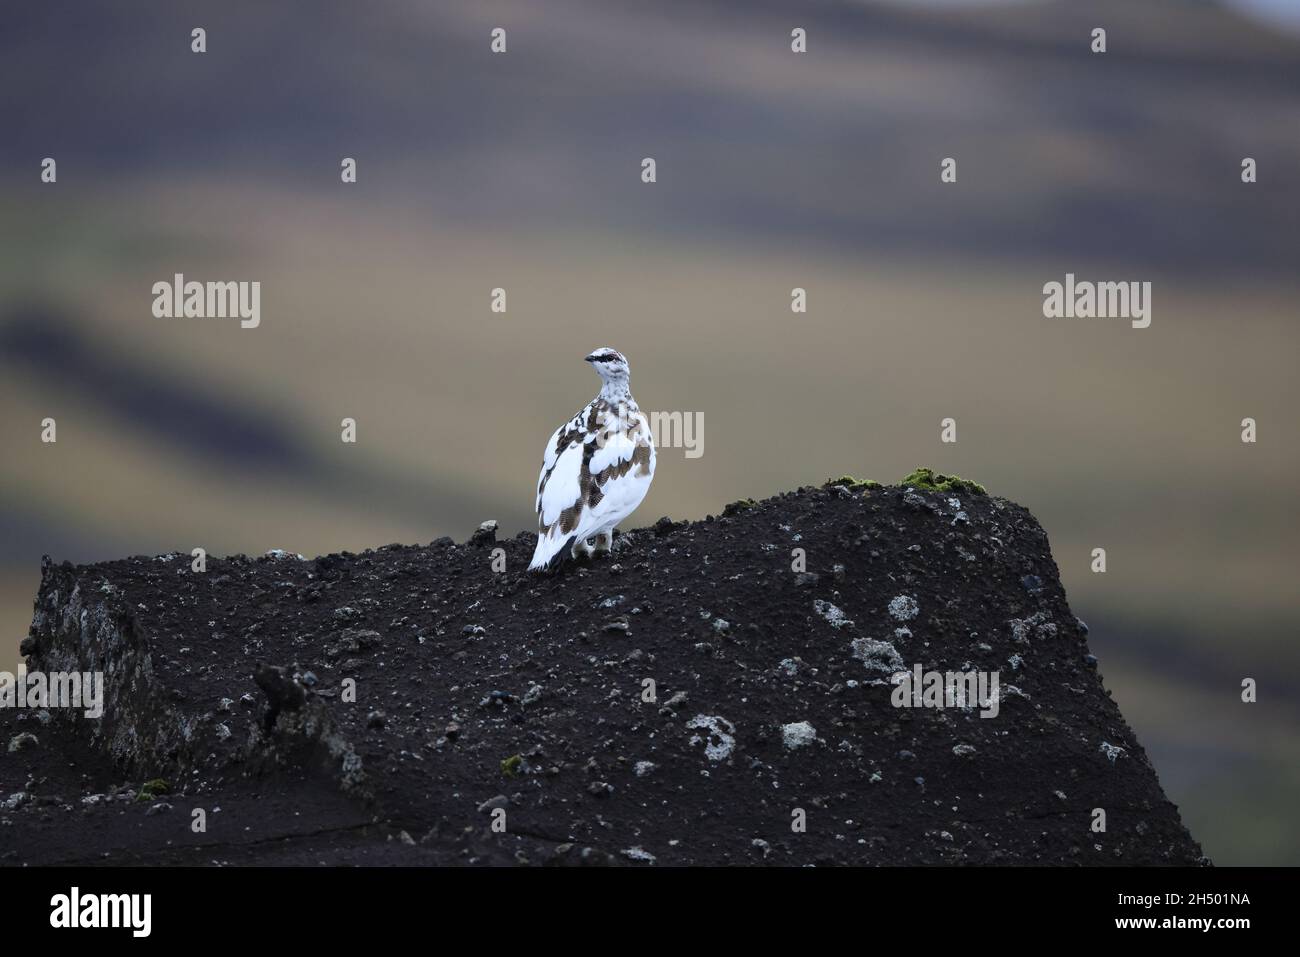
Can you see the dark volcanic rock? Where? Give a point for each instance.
(688, 701)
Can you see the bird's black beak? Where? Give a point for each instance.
(589, 359)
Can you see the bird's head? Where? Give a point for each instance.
(609, 364)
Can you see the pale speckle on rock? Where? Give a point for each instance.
(721, 738)
(904, 607)
(798, 734)
(832, 613)
(878, 656)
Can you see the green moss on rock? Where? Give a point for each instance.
(848, 481)
(932, 481)
(153, 788)
(510, 766)
(735, 508)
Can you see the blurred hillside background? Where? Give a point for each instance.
(775, 170)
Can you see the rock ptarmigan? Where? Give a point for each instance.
(596, 469)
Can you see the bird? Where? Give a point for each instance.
(596, 469)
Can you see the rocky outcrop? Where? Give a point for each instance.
(849, 674)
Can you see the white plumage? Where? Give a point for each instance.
(596, 468)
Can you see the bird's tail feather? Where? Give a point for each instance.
(550, 553)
